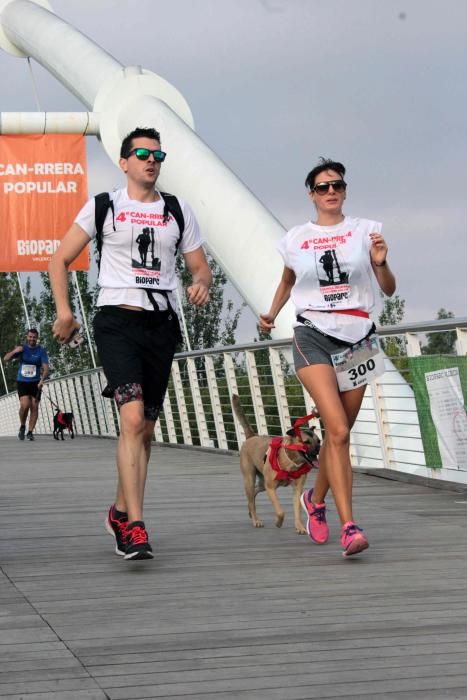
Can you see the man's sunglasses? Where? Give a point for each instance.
(323, 187)
(144, 153)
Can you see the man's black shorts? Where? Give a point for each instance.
(137, 347)
(28, 389)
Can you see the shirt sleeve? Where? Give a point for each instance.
(191, 239)
(86, 218)
(44, 356)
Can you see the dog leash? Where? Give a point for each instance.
(48, 397)
(303, 421)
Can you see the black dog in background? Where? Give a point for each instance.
(62, 421)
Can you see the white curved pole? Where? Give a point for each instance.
(86, 123)
(240, 232)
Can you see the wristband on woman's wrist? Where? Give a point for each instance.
(382, 264)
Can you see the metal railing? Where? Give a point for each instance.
(197, 410)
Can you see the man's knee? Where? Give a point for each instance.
(132, 418)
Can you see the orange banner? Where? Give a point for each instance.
(43, 185)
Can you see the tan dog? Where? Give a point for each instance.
(259, 474)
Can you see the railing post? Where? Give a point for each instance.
(233, 389)
(461, 343)
(198, 404)
(158, 434)
(279, 388)
(413, 345)
(75, 407)
(169, 419)
(378, 406)
(83, 398)
(181, 403)
(255, 389)
(98, 402)
(215, 403)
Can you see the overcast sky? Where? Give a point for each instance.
(275, 84)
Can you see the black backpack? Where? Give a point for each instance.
(103, 203)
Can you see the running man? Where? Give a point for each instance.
(33, 370)
(136, 328)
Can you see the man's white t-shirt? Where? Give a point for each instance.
(333, 271)
(140, 253)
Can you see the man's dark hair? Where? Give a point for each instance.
(324, 164)
(33, 330)
(139, 132)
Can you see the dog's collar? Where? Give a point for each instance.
(273, 455)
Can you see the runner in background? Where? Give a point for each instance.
(32, 372)
(329, 266)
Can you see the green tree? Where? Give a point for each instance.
(13, 325)
(392, 313)
(213, 324)
(443, 343)
(63, 359)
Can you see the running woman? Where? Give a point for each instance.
(329, 266)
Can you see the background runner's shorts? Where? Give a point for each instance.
(137, 347)
(310, 347)
(27, 389)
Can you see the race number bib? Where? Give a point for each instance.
(359, 364)
(28, 371)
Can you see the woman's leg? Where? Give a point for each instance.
(338, 415)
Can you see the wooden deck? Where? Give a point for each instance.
(223, 611)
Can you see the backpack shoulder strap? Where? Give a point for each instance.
(172, 206)
(103, 203)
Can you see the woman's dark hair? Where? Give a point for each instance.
(324, 164)
(137, 133)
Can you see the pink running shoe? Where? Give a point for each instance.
(353, 539)
(316, 525)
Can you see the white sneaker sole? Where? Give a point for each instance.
(109, 529)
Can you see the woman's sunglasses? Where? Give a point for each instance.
(144, 153)
(323, 187)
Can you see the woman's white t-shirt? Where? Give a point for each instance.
(140, 253)
(333, 271)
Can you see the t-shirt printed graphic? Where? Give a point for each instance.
(332, 276)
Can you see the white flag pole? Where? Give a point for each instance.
(18, 277)
(3, 375)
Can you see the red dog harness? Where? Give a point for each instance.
(277, 443)
(61, 419)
